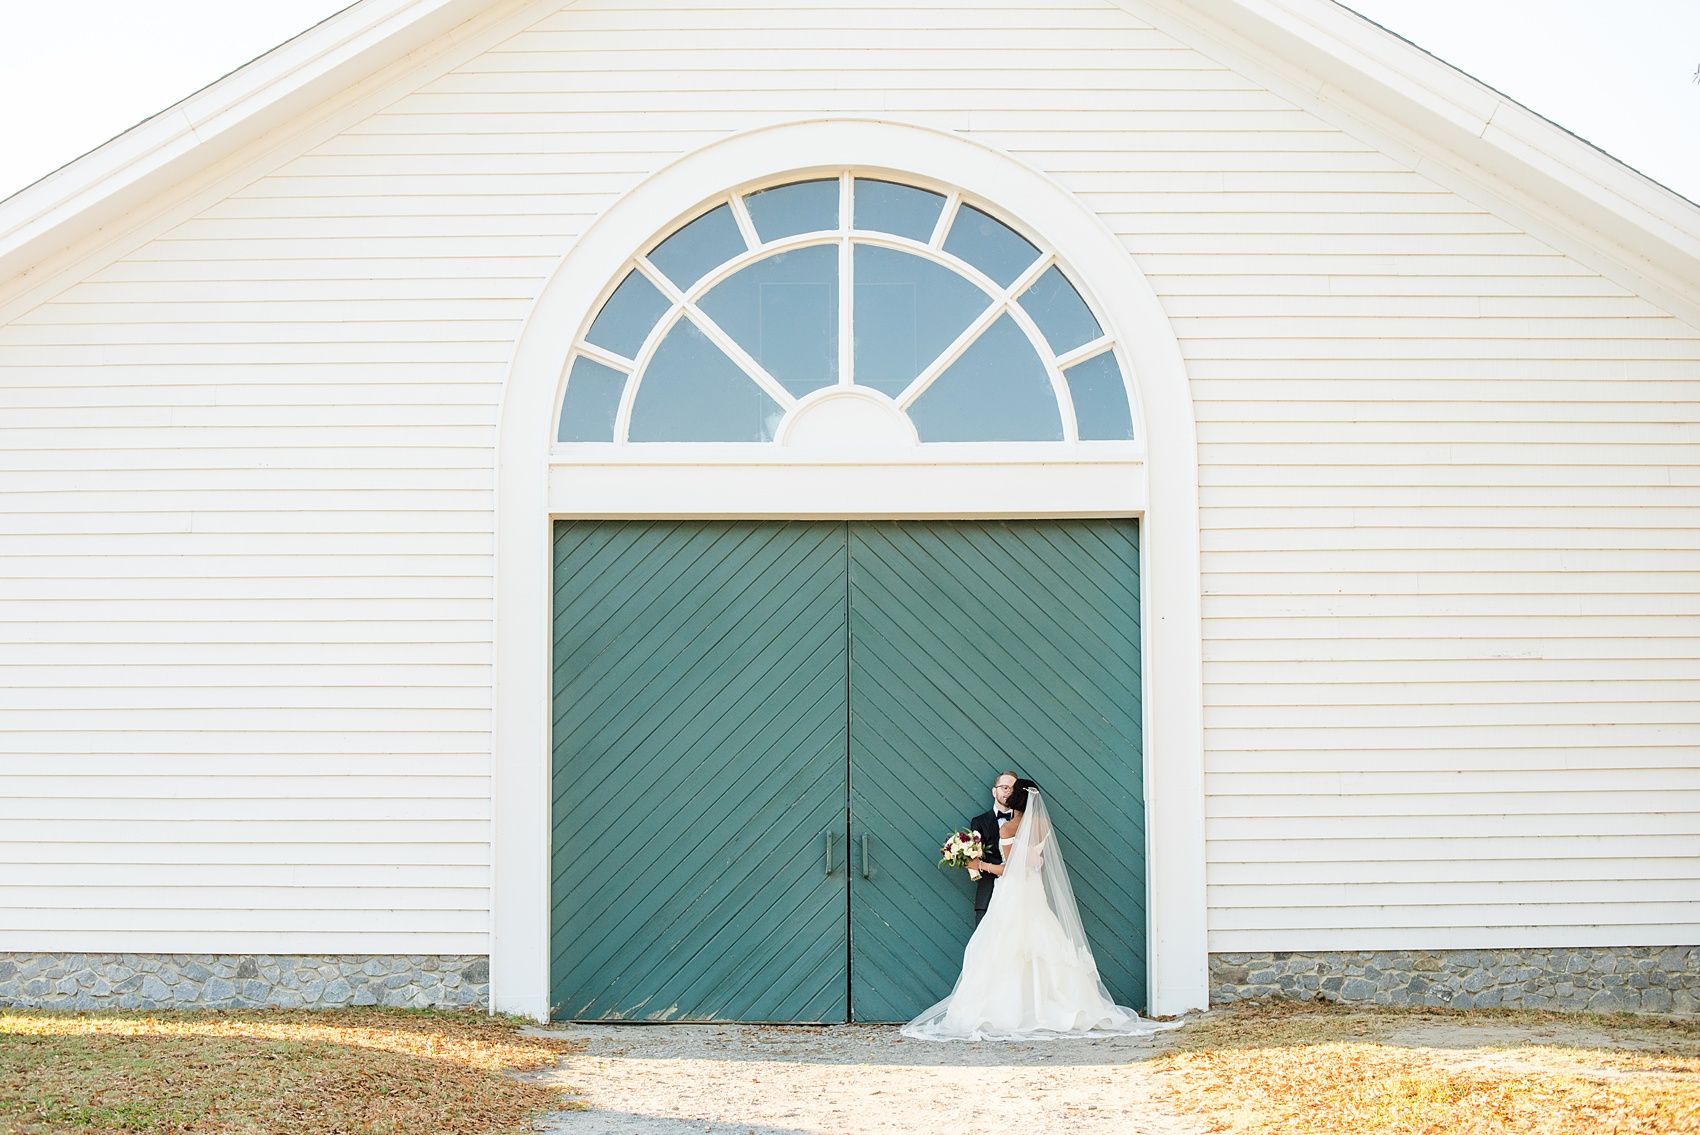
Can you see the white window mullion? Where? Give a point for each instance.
(606, 357)
(951, 205)
(746, 226)
(651, 343)
(737, 354)
(1080, 354)
(951, 353)
(1033, 272)
(655, 276)
(846, 285)
(623, 417)
(1059, 384)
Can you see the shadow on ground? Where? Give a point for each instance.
(630, 1123)
(846, 1045)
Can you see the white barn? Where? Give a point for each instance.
(1284, 443)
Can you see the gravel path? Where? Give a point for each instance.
(851, 1080)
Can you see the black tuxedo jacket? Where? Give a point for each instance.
(986, 824)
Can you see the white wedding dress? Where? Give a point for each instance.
(1028, 972)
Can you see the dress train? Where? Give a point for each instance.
(1028, 972)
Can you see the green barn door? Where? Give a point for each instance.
(699, 769)
(975, 647)
(723, 690)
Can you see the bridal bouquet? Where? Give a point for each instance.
(960, 849)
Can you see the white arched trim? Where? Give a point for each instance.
(1157, 481)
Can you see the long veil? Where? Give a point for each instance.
(1036, 861)
(1028, 971)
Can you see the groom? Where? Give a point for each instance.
(986, 824)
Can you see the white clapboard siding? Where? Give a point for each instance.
(1450, 489)
(64, 863)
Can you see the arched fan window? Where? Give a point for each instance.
(903, 305)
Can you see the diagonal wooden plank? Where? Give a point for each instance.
(692, 657)
(774, 746)
(1070, 712)
(655, 722)
(715, 746)
(678, 628)
(768, 756)
(971, 636)
(768, 660)
(1103, 576)
(648, 599)
(921, 567)
(960, 665)
(996, 592)
(1029, 711)
(1084, 585)
(691, 913)
(654, 908)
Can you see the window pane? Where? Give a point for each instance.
(803, 207)
(692, 392)
(1061, 314)
(902, 210)
(704, 244)
(1100, 399)
(593, 398)
(784, 312)
(997, 391)
(908, 310)
(626, 319)
(990, 245)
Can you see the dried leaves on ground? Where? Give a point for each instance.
(1263, 1071)
(325, 1072)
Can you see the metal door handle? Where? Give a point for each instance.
(867, 860)
(830, 858)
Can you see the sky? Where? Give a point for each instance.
(1620, 73)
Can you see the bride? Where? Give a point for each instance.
(1028, 972)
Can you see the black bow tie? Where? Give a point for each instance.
(1004, 815)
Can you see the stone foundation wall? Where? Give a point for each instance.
(1647, 979)
(242, 981)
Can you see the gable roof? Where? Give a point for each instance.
(1374, 83)
(1338, 64)
(162, 151)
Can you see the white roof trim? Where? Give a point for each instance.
(1339, 59)
(334, 54)
(1550, 176)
